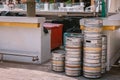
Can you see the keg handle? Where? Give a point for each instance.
(88, 41)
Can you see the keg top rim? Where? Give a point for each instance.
(58, 52)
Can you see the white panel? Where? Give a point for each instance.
(17, 39)
(113, 47)
(20, 19)
(31, 42)
(114, 5)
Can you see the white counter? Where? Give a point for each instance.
(22, 39)
(55, 12)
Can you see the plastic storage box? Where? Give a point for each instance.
(56, 34)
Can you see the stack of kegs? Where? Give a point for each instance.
(58, 60)
(104, 54)
(73, 54)
(92, 48)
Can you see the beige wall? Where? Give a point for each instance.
(114, 5)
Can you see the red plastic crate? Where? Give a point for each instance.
(56, 34)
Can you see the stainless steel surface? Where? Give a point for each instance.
(57, 13)
(113, 20)
(24, 44)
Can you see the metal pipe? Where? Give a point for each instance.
(31, 8)
(35, 58)
(107, 7)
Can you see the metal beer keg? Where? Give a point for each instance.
(58, 60)
(92, 48)
(73, 54)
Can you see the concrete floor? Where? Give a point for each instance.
(22, 71)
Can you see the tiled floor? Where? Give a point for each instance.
(22, 71)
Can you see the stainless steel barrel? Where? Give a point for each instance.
(58, 60)
(92, 48)
(73, 55)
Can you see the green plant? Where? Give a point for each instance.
(69, 1)
(51, 1)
